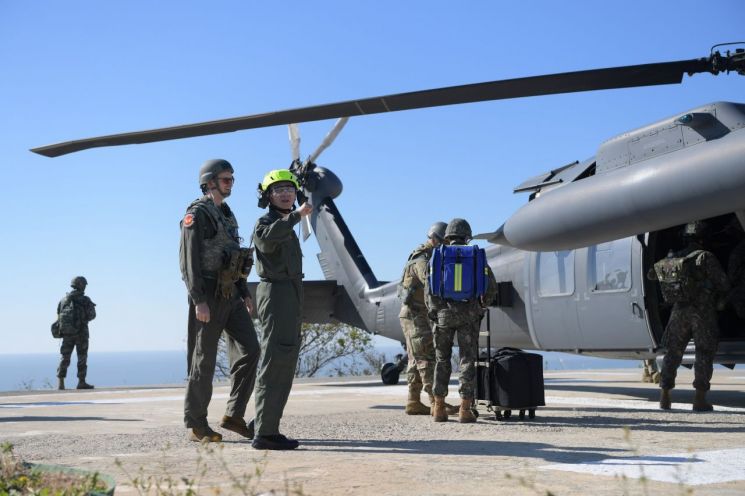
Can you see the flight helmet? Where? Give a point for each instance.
(211, 169)
(273, 177)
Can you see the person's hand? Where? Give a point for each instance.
(249, 304)
(305, 209)
(203, 312)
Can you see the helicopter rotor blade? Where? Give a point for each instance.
(329, 139)
(294, 133)
(568, 82)
(306, 227)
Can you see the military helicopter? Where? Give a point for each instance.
(571, 263)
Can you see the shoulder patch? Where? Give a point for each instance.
(189, 220)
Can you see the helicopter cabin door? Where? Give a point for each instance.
(611, 298)
(553, 300)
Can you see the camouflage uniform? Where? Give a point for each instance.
(416, 324)
(208, 233)
(85, 311)
(464, 319)
(695, 318)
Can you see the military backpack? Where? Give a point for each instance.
(458, 272)
(677, 276)
(68, 318)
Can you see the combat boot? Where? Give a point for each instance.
(84, 385)
(656, 377)
(238, 425)
(204, 434)
(465, 415)
(414, 405)
(439, 414)
(665, 399)
(646, 377)
(699, 402)
(450, 409)
(61, 383)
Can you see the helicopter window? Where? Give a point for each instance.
(555, 273)
(609, 266)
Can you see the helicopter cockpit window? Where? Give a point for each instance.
(609, 266)
(555, 273)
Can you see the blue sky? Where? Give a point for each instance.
(78, 69)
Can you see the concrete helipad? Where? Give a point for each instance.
(600, 433)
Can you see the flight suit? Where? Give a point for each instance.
(209, 234)
(461, 318)
(696, 317)
(415, 323)
(279, 300)
(85, 312)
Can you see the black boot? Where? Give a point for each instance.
(274, 442)
(61, 383)
(84, 385)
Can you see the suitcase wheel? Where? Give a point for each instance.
(522, 414)
(531, 413)
(507, 414)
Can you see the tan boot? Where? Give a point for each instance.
(646, 377)
(665, 399)
(656, 377)
(699, 402)
(439, 414)
(452, 409)
(465, 415)
(414, 405)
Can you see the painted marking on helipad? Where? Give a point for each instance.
(626, 404)
(693, 469)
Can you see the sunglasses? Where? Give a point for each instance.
(226, 180)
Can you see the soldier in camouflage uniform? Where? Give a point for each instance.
(83, 311)
(462, 318)
(214, 268)
(651, 373)
(416, 325)
(694, 282)
(279, 297)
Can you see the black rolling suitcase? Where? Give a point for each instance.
(511, 379)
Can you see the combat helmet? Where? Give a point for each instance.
(211, 169)
(458, 228)
(437, 231)
(79, 282)
(696, 229)
(273, 177)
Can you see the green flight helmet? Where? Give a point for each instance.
(458, 228)
(211, 169)
(79, 282)
(437, 231)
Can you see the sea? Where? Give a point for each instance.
(20, 372)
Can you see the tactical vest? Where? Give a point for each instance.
(216, 251)
(678, 277)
